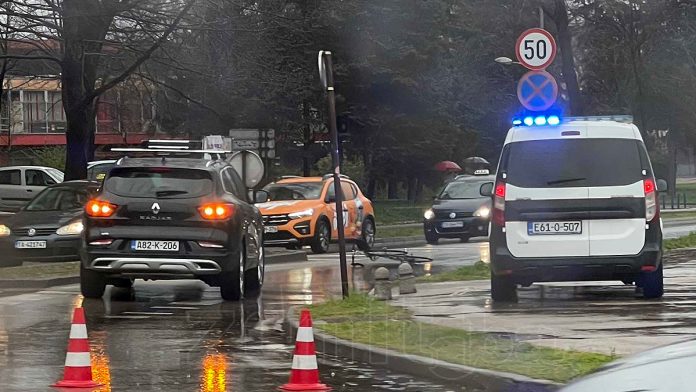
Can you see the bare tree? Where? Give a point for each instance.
(97, 45)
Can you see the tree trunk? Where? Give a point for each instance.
(419, 189)
(371, 187)
(392, 189)
(411, 193)
(568, 66)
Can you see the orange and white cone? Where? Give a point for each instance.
(304, 375)
(78, 367)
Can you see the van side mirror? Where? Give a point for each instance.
(260, 196)
(662, 185)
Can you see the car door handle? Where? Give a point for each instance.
(29, 190)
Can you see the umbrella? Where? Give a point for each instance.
(447, 166)
(475, 160)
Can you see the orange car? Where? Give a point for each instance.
(302, 211)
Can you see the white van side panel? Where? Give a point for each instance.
(617, 237)
(522, 244)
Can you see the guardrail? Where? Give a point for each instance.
(675, 201)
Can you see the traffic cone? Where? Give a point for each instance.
(304, 375)
(78, 367)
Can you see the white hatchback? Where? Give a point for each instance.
(19, 184)
(575, 201)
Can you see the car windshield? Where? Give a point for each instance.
(462, 190)
(99, 171)
(59, 175)
(159, 183)
(58, 199)
(294, 191)
(573, 163)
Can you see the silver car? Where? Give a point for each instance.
(19, 184)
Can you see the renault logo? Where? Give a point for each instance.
(155, 208)
(31, 232)
(452, 215)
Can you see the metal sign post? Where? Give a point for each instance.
(326, 76)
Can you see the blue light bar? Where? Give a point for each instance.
(540, 120)
(529, 121)
(516, 121)
(553, 120)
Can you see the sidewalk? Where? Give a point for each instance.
(601, 317)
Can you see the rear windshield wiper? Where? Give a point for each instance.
(565, 180)
(169, 193)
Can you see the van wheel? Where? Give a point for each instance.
(92, 283)
(503, 289)
(322, 237)
(232, 282)
(652, 283)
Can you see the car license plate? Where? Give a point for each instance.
(542, 228)
(166, 246)
(450, 225)
(270, 229)
(30, 244)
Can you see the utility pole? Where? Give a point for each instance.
(326, 75)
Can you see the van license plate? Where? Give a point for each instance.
(30, 244)
(542, 228)
(166, 246)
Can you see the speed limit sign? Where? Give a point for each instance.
(536, 49)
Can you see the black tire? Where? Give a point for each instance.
(367, 238)
(503, 289)
(652, 283)
(123, 283)
(253, 278)
(231, 286)
(464, 238)
(432, 239)
(322, 237)
(92, 283)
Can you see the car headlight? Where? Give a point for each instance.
(74, 228)
(4, 231)
(483, 212)
(302, 214)
(429, 214)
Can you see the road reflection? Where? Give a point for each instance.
(101, 371)
(214, 373)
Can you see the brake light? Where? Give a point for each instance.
(651, 205)
(216, 211)
(499, 204)
(100, 208)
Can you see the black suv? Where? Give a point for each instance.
(169, 217)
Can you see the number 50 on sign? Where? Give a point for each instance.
(536, 49)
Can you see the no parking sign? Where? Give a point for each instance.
(537, 90)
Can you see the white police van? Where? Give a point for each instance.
(575, 200)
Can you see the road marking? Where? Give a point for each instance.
(149, 313)
(198, 303)
(118, 317)
(175, 307)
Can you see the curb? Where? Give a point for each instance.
(433, 369)
(289, 256)
(41, 283)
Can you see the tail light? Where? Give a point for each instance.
(651, 206)
(100, 208)
(499, 204)
(216, 211)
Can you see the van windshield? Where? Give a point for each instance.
(573, 163)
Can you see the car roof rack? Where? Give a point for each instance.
(622, 118)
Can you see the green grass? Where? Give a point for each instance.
(478, 271)
(687, 241)
(394, 212)
(676, 215)
(689, 190)
(362, 319)
(40, 271)
(407, 231)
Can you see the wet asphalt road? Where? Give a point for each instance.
(180, 336)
